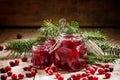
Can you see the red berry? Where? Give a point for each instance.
(78, 76)
(101, 71)
(84, 74)
(95, 67)
(12, 64)
(102, 66)
(95, 78)
(16, 62)
(34, 69)
(7, 68)
(19, 36)
(20, 76)
(107, 69)
(107, 65)
(29, 67)
(24, 59)
(73, 76)
(50, 71)
(53, 68)
(25, 68)
(14, 76)
(107, 75)
(90, 77)
(3, 77)
(28, 74)
(33, 73)
(2, 70)
(84, 78)
(60, 78)
(46, 69)
(92, 71)
(1, 47)
(57, 75)
(9, 73)
(111, 68)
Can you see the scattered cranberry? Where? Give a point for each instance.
(84, 78)
(50, 71)
(111, 68)
(24, 59)
(95, 67)
(7, 68)
(14, 76)
(20, 76)
(33, 73)
(46, 69)
(84, 74)
(78, 76)
(107, 70)
(102, 66)
(16, 62)
(95, 78)
(29, 67)
(19, 36)
(2, 70)
(107, 65)
(25, 68)
(3, 77)
(57, 75)
(1, 47)
(90, 77)
(107, 75)
(9, 73)
(60, 78)
(101, 71)
(29, 74)
(92, 71)
(34, 69)
(12, 64)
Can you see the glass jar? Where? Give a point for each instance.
(71, 53)
(40, 54)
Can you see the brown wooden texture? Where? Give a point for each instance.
(33, 12)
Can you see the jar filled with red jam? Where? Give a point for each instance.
(71, 53)
(40, 54)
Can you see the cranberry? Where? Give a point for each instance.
(7, 68)
(74, 76)
(9, 73)
(16, 62)
(84, 78)
(84, 74)
(92, 71)
(107, 65)
(102, 66)
(33, 73)
(107, 75)
(12, 64)
(111, 68)
(20, 76)
(2, 70)
(34, 69)
(3, 77)
(24, 59)
(1, 47)
(46, 69)
(78, 76)
(60, 78)
(95, 78)
(25, 68)
(95, 67)
(14, 76)
(57, 75)
(19, 36)
(29, 74)
(90, 77)
(29, 67)
(101, 71)
(50, 71)
(107, 69)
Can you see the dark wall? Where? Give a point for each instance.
(33, 12)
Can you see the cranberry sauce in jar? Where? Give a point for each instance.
(71, 54)
(40, 54)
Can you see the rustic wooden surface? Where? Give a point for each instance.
(33, 12)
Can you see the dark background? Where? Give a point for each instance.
(86, 12)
